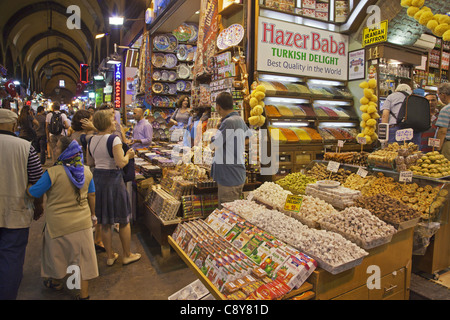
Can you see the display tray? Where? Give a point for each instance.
(337, 269)
(359, 242)
(322, 264)
(405, 225)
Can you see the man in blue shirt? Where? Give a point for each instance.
(142, 132)
(228, 167)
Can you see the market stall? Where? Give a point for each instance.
(350, 223)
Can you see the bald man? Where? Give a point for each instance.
(142, 132)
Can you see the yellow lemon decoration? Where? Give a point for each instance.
(372, 83)
(256, 118)
(446, 35)
(369, 111)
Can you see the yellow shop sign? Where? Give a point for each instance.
(376, 34)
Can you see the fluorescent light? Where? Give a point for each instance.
(17, 83)
(270, 77)
(290, 124)
(337, 124)
(326, 82)
(117, 21)
(285, 100)
(99, 77)
(332, 102)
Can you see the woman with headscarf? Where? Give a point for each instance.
(70, 214)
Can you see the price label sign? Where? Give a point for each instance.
(404, 135)
(341, 143)
(293, 203)
(333, 166)
(362, 140)
(383, 131)
(434, 142)
(406, 176)
(362, 172)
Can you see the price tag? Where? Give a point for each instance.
(406, 176)
(434, 142)
(404, 135)
(362, 172)
(341, 143)
(333, 166)
(362, 140)
(383, 131)
(293, 203)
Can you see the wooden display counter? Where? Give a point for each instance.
(394, 262)
(159, 229)
(437, 255)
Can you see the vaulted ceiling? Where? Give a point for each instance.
(34, 33)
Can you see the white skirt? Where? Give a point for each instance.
(74, 249)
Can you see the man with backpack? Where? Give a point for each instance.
(443, 121)
(403, 110)
(56, 124)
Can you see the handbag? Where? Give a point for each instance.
(128, 171)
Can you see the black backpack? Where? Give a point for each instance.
(414, 113)
(128, 171)
(56, 123)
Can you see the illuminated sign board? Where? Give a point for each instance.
(117, 86)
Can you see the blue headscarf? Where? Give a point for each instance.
(72, 160)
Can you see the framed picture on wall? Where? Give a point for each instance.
(357, 65)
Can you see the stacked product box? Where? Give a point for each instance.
(226, 249)
(276, 258)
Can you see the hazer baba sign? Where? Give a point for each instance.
(299, 50)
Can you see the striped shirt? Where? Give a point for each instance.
(444, 120)
(34, 167)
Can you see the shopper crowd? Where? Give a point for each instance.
(83, 188)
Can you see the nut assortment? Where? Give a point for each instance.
(356, 182)
(427, 199)
(354, 158)
(295, 182)
(359, 226)
(320, 172)
(433, 165)
(388, 209)
(387, 158)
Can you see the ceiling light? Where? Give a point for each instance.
(99, 77)
(117, 21)
(17, 83)
(114, 59)
(101, 35)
